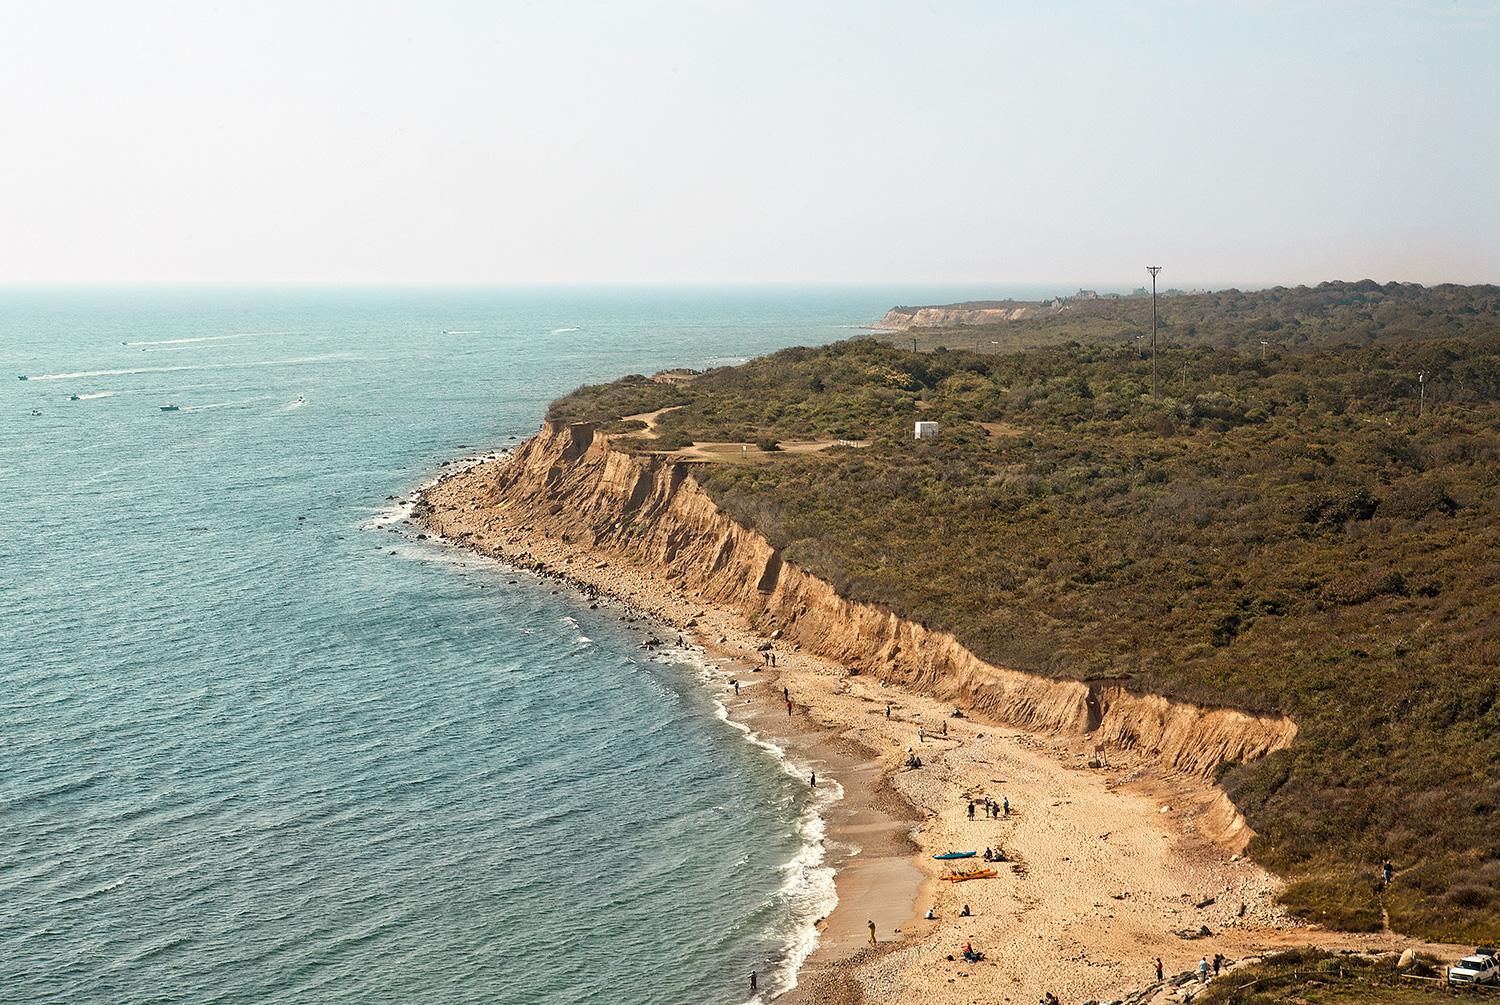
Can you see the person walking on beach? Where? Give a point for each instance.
(1006, 806)
(813, 783)
(785, 695)
(736, 688)
(752, 981)
(872, 933)
(1203, 970)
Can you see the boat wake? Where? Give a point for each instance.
(223, 404)
(191, 366)
(206, 338)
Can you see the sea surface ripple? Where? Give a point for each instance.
(258, 743)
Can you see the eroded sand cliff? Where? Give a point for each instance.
(569, 485)
(1109, 866)
(901, 318)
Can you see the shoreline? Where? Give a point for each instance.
(1112, 866)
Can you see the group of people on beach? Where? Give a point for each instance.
(1203, 966)
(991, 808)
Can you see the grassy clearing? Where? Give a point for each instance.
(1308, 528)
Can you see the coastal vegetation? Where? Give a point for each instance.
(1303, 518)
(1308, 976)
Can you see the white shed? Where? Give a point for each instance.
(926, 430)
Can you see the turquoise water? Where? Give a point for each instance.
(258, 743)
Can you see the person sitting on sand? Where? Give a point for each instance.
(965, 912)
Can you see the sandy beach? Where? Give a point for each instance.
(1111, 862)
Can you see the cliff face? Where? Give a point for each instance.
(568, 484)
(901, 318)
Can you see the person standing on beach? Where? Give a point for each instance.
(789, 709)
(785, 695)
(1203, 970)
(736, 688)
(1006, 806)
(752, 980)
(921, 734)
(887, 710)
(1158, 969)
(813, 783)
(971, 809)
(872, 933)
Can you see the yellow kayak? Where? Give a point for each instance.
(959, 877)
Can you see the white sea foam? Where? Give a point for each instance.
(559, 331)
(807, 887)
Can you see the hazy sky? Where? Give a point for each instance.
(1236, 143)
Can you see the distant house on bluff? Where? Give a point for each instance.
(925, 430)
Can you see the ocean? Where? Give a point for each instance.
(260, 743)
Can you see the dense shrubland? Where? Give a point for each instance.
(1304, 527)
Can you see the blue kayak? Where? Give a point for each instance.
(957, 854)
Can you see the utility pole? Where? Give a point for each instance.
(1153, 269)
